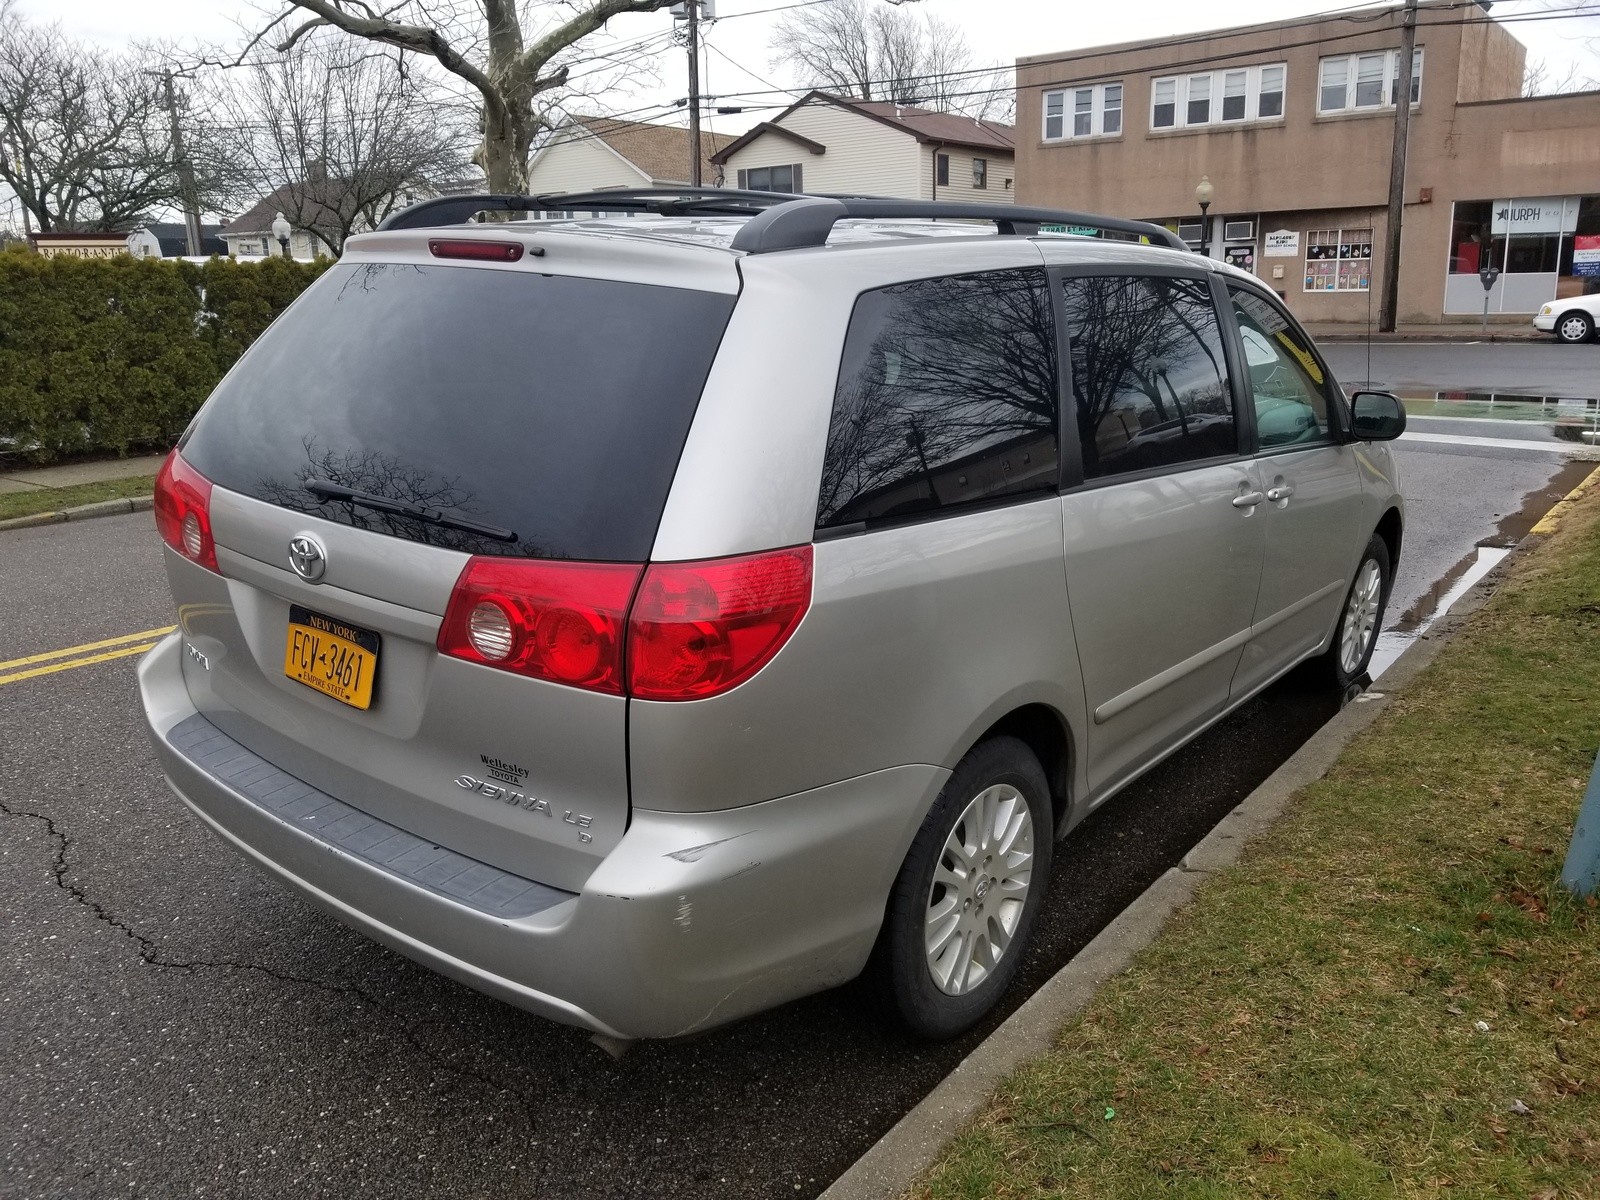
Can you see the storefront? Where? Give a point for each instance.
(1545, 248)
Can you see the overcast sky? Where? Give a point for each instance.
(738, 59)
(998, 30)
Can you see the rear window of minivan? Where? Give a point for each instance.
(537, 415)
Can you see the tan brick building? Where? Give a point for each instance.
(1292, 122)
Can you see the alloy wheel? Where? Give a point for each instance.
(1574, 329)
(979, 889)
(1360, 624)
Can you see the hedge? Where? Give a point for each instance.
(116, 354)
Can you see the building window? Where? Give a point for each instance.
(1365, 82)
(1199, 110)
(1233, 95)
(1094, 111)
(1270, 97)
(942, 169)
(771, 179)
(980, 172)
(1163, 104)
(1228, 97)
(1339, 260)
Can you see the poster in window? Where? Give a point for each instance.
(1586, 255)
(1243, 257)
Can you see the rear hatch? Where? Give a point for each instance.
(406, 416)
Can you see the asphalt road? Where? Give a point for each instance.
(176, 1025)
(1533, 368)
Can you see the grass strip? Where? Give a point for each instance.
(43, 500)
(1390, 995)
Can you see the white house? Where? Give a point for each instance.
(171, 240)
(590, 153)
(829, 143)
(250, 234)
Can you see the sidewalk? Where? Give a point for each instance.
(29, 479)
(1389, 994)
(40, 495)
(1344, 332)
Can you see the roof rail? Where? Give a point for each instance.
(453, 210)
(808, 220)
(778, 220)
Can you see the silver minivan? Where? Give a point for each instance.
(649, 621)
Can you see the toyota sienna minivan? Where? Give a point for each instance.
(651, 620)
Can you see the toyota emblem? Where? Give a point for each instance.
(307, 557)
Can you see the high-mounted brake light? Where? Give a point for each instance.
(561, 621)
(701, 629)
(183, 511)
(483, 251)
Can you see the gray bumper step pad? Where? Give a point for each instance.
(404, 855)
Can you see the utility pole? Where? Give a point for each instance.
(191, 203)
(1390, 302)
(693, 14)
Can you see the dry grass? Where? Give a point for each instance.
(1391, 995)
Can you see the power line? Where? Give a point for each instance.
(1099, 54)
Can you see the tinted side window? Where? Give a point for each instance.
(1148, 373)
(947, 396)
(1289, 386)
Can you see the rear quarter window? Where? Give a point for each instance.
(947, 397)
(550, 407)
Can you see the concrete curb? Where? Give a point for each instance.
(101, 508)
(1442, 335)
(908, 1149)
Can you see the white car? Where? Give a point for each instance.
(1572, 320)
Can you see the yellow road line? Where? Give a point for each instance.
(146, 635)
(1548, 523)
(18, 676)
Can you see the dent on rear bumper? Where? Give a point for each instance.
(693, 920)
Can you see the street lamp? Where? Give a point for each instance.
(1204, 194)
(280, 230)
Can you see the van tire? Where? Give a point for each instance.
(1361, 616)
(991, 914)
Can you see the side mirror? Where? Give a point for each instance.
(1379, 416)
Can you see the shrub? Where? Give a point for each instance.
(116, 354)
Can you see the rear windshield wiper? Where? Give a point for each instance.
(328, 490)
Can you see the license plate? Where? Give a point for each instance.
(337, 659)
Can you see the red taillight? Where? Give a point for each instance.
(183, 511)
(560, 621)
(485, 251)
(694, 630)
(700, 629)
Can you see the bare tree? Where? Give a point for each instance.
(337, 131)
(85, 141)
(513, 54)
(1541, 79)
(879, 51)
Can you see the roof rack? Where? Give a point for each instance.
(778, 220)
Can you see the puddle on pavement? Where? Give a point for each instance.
(1460, 578)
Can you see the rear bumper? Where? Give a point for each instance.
(691, 921)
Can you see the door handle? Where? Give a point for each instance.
(1282, 492)
(1248, 499)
